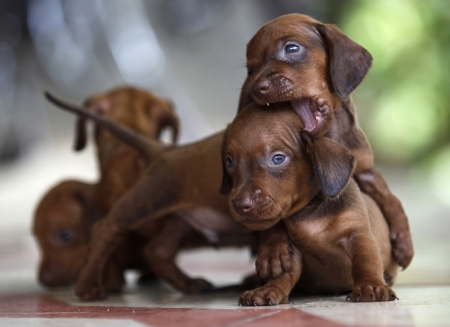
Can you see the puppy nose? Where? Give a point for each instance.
(261, 87)
(243, 205)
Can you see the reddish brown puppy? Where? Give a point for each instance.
(61, 227)
(278, 173)
(66, 214)
(178, 181)
(315, 67)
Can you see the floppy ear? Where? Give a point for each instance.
(245, 97)
(227, 181)
(333, 164)
(80, 134)
(349, 62)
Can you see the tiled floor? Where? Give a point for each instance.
(24, 303)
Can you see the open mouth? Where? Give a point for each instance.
(312, 112)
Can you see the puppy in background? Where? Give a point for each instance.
(66, 214)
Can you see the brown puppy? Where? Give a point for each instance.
(121, 165)
(61, 227)
(315, 67)
(182, 181)
(66, 214)
(276, 172)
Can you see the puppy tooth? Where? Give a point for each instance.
(268, 104)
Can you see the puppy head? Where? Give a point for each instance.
(313, 66)
(273, 168)
(135, 108)
(61, 231)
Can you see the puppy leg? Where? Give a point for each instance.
(104, 240)
(146, 199)
(367, 270)
(160, 254)
(274, 252)
(372, 183)
(113, 277)
(275, 291)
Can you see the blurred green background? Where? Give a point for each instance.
(404, 103)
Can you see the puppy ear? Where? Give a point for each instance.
(245, 97)
(349, 62)
(333, 164)
(80, 134)
(227, 181)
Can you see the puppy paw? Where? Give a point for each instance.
(265, 295)
(195, 286)
(272, 262)
(89, 291)
(402, 247)
(372, 293)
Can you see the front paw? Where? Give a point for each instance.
(372, 293)
(272, 262)
(402, 247)
(265, 295)
(89, 291)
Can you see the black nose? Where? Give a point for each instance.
(261, 87)
(243, 205)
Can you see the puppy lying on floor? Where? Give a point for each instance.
(65, 215)
(315, 67)
(179, 182)
(276, 172)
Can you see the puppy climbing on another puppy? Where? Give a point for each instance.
(314, 67)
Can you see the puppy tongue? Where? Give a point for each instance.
(302, 108)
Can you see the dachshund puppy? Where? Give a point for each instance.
(276, 172)
(315, 67)
(181, 182)
(66, 214)
(61, 227)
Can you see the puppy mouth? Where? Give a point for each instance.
(312, 112)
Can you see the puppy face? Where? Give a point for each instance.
(308, 64)
(135, 108)
(61, 231)
(273, 168)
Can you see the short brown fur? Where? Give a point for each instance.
(339, 237)
(315, 67)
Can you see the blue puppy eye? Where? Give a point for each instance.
(66, 235)
(278, 159)
(291, 48)
(229, 162)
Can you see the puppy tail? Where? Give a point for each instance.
(146, 147)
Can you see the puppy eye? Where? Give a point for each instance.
(291, 48)
(229, 162)
(278, 159)
(66, 235)
(249, 72)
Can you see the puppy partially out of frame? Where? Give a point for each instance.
(281, 177)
